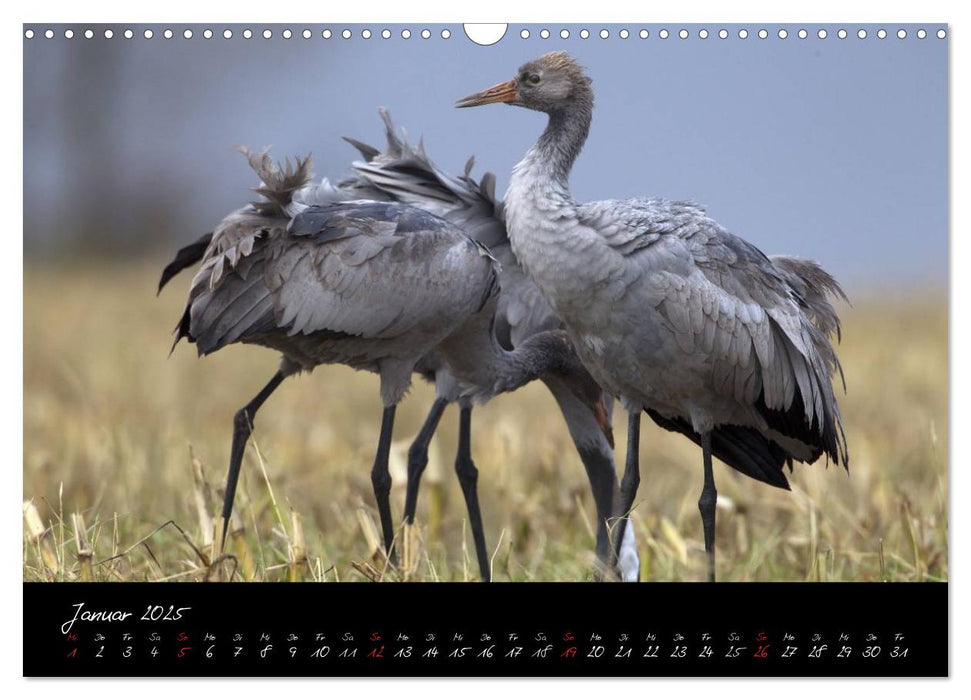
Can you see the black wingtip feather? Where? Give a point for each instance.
(743, 449)
(181, 330)
(188, 255)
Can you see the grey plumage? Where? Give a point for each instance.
(670, 311)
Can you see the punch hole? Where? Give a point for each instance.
(683, 34)
(763, 34)
(881, 34)
(68, 33)
(326, 34)
(207, 34)
(722, 33)
(29, 34)
(702, 33)
(821, 33)
(109, 34)
(841, 33)
(129, 33)
(921, 34)
(941, 34)
(486, 34)
(148, 34)
(425, 34)
(564, 33)
(544, 34)
(584, 33)
(604, 34)
(643, 34)
(88, 34)
(385, 33)
(227, 34)
(306, 33)
(166, 34)
(861, 33)
(366, 33)
(405, 33)
(287, 34)
(624, 33)
(663, 34)
(783, 33)
(346, 34)
(187, 34)
(902, 34)
(446, 34)
(743, 33)
(525, 34)
(49, 34)
(803, 33)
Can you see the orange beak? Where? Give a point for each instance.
(603, 420)
(506, 92)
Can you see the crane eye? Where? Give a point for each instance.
(533, 78)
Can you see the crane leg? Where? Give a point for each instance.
(381, 480)
(603, 486)
(418, 457)
(468, 478)
(631, 479)
(242, 429)
(706, 504)
(597, 455)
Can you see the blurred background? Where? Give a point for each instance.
(833, 149)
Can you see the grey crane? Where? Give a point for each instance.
(373, 285)
(668, 310)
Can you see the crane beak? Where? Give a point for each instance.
(507, 92)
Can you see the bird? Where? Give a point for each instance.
(360, 322)
(371, 285)
(668, 310)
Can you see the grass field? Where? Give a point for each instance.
(125, 451)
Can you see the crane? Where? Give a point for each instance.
(358, 284)
(668, 310)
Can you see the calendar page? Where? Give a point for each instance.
(514, 350)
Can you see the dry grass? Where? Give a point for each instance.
(125, 451)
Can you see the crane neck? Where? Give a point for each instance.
(547, 352)
(527, 361)
(476, 356)
(562, 140)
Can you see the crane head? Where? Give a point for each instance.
(551, 82)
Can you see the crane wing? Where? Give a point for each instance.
(367, 269)
(725, 301)
(376, 270)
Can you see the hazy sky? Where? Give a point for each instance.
(832, 149)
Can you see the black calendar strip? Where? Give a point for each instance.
(421, 629)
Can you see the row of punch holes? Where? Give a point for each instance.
(446, 33)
